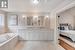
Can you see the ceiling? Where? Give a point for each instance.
(28, 6)
(70, 11)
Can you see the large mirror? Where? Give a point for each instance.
(12, 20)
(29, 20)
(37, 21)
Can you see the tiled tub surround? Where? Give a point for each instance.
(35, 34)
(8, 41)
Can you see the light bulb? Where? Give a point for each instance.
(35, 1)
(46, 16)
(35, 17)
(23, 16)
(2, 4)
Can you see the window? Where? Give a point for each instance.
(1, 20)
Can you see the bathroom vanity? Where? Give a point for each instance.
(35, 34)
(32, 27)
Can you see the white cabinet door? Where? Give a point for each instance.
(36, 35)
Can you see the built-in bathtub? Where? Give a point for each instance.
(8, 41)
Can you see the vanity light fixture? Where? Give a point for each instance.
(47, 16)
(35, 2)
(35, 16)
(23, 16)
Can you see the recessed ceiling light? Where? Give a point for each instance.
(35, 1)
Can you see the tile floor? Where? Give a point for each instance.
(36, 45)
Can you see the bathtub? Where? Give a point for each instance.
(8, 41)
